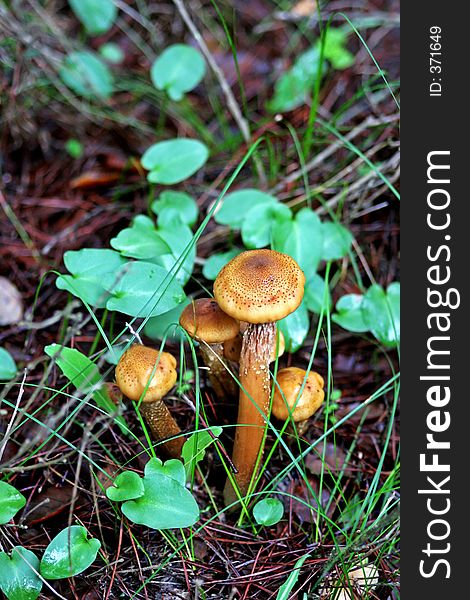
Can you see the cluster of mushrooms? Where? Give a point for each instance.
(251, 293)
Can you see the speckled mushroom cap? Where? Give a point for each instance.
(203, 319)
(260, 286)
(135, 367)
(290, 380)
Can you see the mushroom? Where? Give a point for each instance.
(287, 403)
(207, 323)
(259, 287)
(149, 374)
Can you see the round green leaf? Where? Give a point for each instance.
(85, 74)
(214, 263)
(97, 16)
(268, 511)
(8, 368)
(11, 501)
(237, 204)
(127, 486)
(71, 552)
(257, 226)
(173, 161)
(140, 240)
(18, 580)
(87, 267)
(112, 53)
(295, 328)
(143, 290)
(170, 204)
(337, 241)
(349, 313)
(381, 313)
(301, 238)
(178, 70)
(314, 296)
(166, 504)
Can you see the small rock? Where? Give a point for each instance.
(11, 305)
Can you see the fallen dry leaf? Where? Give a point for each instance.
(91, 179)
(334, 459)
(11, 305)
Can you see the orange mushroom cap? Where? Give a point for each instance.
(290, 380)
(135, 367)
(205, 320)
(260, 286)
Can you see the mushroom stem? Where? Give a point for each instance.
(222, 382)
(257, 347)
(162, 425)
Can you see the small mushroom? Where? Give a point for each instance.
(207, 323)
(286, 400)
(149, 374)
(258, 287)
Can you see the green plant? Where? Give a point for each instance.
(87, 75)
(11, 501)
(178, 70)
(268, 511)
(173, 161)
(97, 16)
(8, 368)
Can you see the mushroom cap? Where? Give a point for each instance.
(290, 381)
(204, 320)
(233, 348)
(135, 367)
(260, 286)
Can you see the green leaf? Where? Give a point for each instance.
(172, 468)
(157, 328)
(127, 486)
(71, 552)
(18, 580)
(141, 240)
(194, 449)
(11, 501)
(301, 238)
(8, 368)
(178, 70)
(166, 504)
(112, 53)
(237, 204)
(268, 511)
(337, 241)
(97, 16)
(83, 374)
(334, 49)
(257, 226)
(74, 148)
(381, 313)
(178, 238)
(172, 204)
(286, 588)
(87, 75)
(214, 263)
(87, 268)
(349, 313)
(314, 296)
(174, 160)
(143, 290)
(295, 328)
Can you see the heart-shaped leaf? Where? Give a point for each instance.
(87, 75)
(171, 204)
(11, 501)
(172, 468)
(295, 328)
(301, 238)
(175, 160)
(316, 296)
(215, 262)
(268, 511)
(97, 16)
(127, 486)
(337, 241)
(195, 446)
(71, 552)
(18, 579)
(166, 504)
(140, 240)
(237, 204)
(87, 268)
(8, 368)
(178, 70)
(349, 313)
(143, 290)
(259, 221)
(381, 313)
